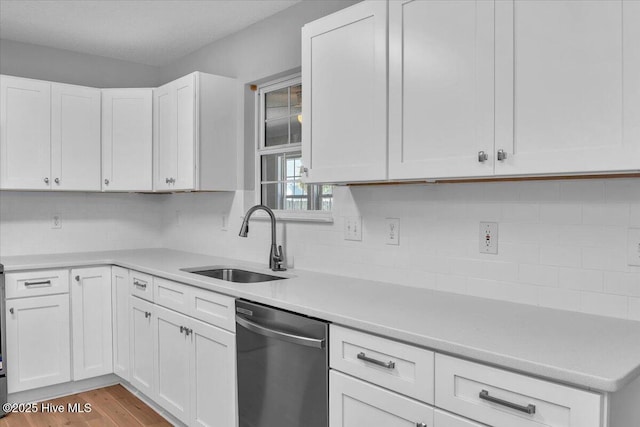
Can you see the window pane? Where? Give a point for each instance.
(296, 129)
(296, 100)
(276, 132)
(291, 196)
(277, 103)
(280, 166)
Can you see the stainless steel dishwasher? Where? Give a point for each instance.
(283, 370)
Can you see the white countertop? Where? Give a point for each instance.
(594, 352)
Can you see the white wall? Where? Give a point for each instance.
(64, 66)
(562, 244)
(90, 222)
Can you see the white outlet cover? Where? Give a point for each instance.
(488, 238)
(392, 231)
(353, 228)
(633, 246)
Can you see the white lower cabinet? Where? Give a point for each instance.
(445, 419)
(141, 333)
(120, 315)
(91, 322)
(38, 342)
(355, 403)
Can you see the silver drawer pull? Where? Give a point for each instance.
(529, 409)
(388, 365)
(142, 285)
(42, 282)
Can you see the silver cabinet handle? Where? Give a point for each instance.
(57, 181)
(77, 278)
(142, 285)
(166, 180)
(46, 180)
(421, 425)
(11, 310)
(502, 155)
(106, 182)
(187, 331)
(42, 282)
(304, 170)
(482, 156)
(147, 314)
(529, 409)
(284, 336)
(388, 365)
(172, 180)
(182, 328)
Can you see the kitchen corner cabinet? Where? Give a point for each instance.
(567, 86)
(50, 137)
(127, 139)
(91, 322)
(195, 134)
(441, 89)
(344, 73)
(120, 316)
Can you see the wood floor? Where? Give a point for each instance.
(110, 406)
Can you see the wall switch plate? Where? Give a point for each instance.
(56, 221)
(633, 246)
(353, 228)
(392, 231)
(488, 238)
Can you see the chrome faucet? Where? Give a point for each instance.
(276, 259)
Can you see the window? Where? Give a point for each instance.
(279, 152)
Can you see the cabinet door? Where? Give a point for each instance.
(213, 376)
(567, 86)
(445, 419)
(91, 321)
(38, 346)
(25, 134)
(141, 334)
(175, 135)
(355, 403)
(172, 354)
(75, 138)
(440, 88)
(127, 139)
(120, 315)
(344, 76)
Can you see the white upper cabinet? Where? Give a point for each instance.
(195, 134)
(75, 138)
(344, 75)
(567, 86)
(127, 139)
(25, 134)
(440, 88)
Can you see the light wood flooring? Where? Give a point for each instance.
(110, 406)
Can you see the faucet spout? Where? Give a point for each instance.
(276, 257)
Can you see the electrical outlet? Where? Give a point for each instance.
(56, 221)
(488, 238)
(392, 231)
(353, 228)
(633, 246)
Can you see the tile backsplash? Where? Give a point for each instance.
(561, 244)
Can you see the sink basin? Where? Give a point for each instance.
(233, 274)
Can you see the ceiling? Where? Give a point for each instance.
(152, 32)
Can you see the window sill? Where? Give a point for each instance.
(292, 216)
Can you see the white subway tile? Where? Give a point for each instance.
(609, 214)
(563, 299)
(506, 291)
(520, 212)
(604, 305)
(582, 191)
(564, 256)
(634, 220)
(622, 283)
(599, 258)
(622, 190)
(540, 191)
(451, 283)
(634, 309)
(541, 275)
(561, 214)
(578, 279)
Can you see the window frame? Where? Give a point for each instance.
(261, 150)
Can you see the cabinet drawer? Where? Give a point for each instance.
(141, 285)
(37, 283)
(171, 294)
(393, 365)
(445, 419)
(213, 308)
(505, 399)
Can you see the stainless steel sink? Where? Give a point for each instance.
(233, 274)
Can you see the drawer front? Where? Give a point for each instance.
(141, 285)
(505, 399)
(445, 419)
(390, 364)
(36, 283)
(216, 309)
(171, 294)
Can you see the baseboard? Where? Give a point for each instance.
(148, 401)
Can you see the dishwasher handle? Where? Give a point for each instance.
(284, 336)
